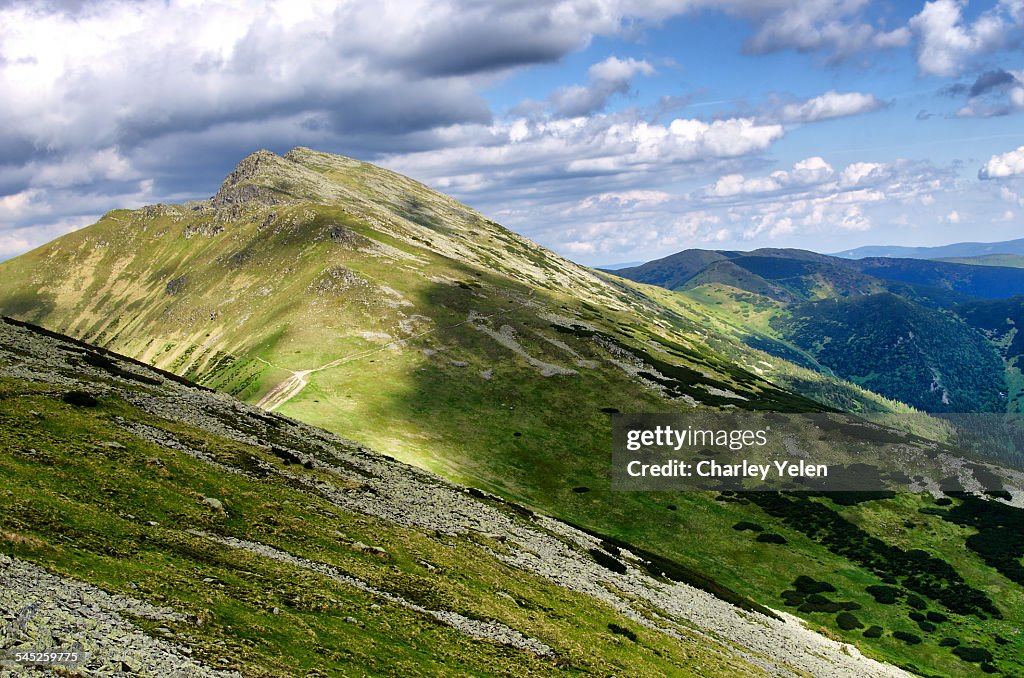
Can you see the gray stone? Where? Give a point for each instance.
(214, 503)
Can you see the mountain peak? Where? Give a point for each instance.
(265, 178)
(312, 157)
(249, 166)
(251, 180)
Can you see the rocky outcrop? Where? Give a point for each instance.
(41, 612)
(238, 187)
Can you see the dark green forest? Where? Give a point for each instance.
(929, 359)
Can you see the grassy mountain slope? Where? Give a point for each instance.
(342, 294)
(379, 308)
(225, 539)
(729, 273)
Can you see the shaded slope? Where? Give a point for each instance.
(674, 270)
(982, 282)
(919, 356)
(732, 274)
(1010, 260)
(1002, 321)
(815, 276)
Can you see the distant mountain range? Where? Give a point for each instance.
(615, 267)
(800, 274)
(1010, 260)
(960, 249)
(937, 335)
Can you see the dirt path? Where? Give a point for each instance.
(293, 385)
(284, 391)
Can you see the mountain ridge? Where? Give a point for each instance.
(961, 249)
(958, 281)
(824, 312)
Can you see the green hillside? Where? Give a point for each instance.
(346, 296)
(673, 271)
(367, 303)
(833, 315)
(1001, 321)
(887, 344)
(219, 538)
(169, 530)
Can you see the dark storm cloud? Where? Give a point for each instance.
(138, 92)
(469, 52)
(987, 82)
(370, 111)
(956, 90)
(363, 73)
(457, 38)
(992, 80)
(15, 149)
(993, 93)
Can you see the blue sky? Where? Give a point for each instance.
(608, 130)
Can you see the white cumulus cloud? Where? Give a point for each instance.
(1009, 164)
(856, 172)
(805, 173)
(605, 79)
(830, 105)
(946, 43)
(634, 199)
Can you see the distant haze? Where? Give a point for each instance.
(615, 267)
(960, 249)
